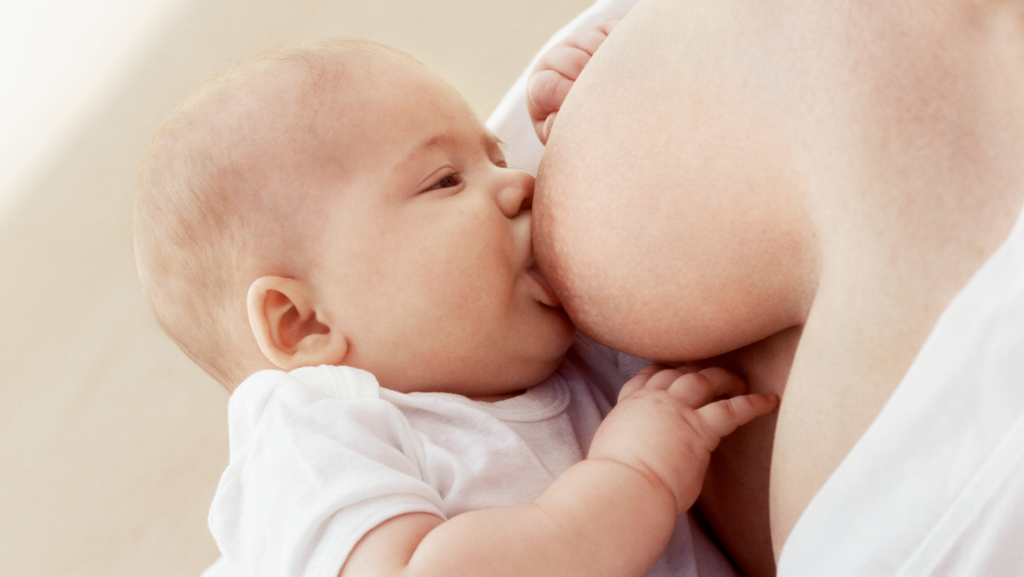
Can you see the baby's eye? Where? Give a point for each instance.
(447, 181)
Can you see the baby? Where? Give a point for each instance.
(332, 234)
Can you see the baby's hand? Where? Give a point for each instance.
(556, 71)
(667, 423)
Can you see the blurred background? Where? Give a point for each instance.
(111, 442)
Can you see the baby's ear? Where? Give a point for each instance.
(289, 326)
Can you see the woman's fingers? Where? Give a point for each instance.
(545, 93)
(555, 73)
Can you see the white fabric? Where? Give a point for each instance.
(322, 455)
(935, 487)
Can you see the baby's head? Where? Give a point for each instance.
(340, 204)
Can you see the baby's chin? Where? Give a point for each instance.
(541, 369)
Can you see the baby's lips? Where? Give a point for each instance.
(547, 295)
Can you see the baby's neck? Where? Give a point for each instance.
(496, 398)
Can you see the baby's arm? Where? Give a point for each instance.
(556, 71)
(610, 514)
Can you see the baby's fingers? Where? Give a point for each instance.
(725, 416)
(697, 388)
(639, 380)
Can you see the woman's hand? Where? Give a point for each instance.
(557, 70)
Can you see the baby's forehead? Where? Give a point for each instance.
(332, 87)
(328, 72)
(327, 112)
(289, 102)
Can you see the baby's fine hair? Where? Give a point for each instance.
(214, 209)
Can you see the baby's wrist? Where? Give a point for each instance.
(610, 513)
(643, 477)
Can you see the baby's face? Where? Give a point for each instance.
(425, 254)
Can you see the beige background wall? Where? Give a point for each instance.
(111, 442)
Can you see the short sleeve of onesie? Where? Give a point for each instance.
(303, 445)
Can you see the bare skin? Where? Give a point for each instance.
(796, 190)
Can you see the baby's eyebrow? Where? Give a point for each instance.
(443, 138)
(449, 138)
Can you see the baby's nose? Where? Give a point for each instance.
(516, 194)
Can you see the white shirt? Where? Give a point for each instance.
(322, 455)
